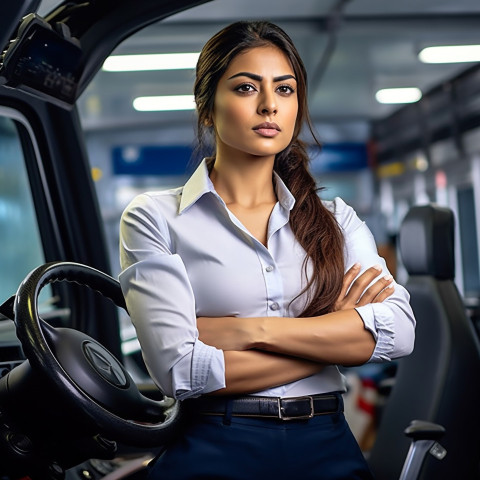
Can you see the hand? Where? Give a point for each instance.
(358, 293)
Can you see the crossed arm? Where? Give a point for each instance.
(265, 352)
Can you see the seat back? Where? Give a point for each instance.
(437, 382)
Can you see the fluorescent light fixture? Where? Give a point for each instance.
(158, 61)
(450, 54)
(399, 95)
(165, 103)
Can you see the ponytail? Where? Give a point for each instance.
(315, 229)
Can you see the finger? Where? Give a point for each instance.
(384, 294)
(363, 280)
(371, 292)
(348, 278)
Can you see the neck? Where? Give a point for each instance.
(247, 182)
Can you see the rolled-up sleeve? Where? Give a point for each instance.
(392, 322)
(161, 305)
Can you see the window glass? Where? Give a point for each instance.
(20, 244)
(468, 241)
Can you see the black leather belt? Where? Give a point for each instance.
(288, 408)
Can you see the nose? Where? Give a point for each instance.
(267, 104)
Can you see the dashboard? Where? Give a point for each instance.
(11, 353)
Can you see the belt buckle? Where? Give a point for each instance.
(297, 417)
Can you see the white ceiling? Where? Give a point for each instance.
(374, 46)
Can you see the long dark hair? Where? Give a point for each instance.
(313, 225)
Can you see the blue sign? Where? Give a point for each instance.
(338, 157)
(151, 160)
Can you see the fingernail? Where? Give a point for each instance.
(387, 277)
(377, 267)
(392, 286)
(356, 266)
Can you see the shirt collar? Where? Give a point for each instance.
(199, 184)
(285, 198)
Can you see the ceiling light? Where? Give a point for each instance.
(450, 54)
(159, 61)
(398, 95)
(165, 103)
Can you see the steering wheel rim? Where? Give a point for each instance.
(30, 331)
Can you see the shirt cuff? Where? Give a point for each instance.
(378, 319)
(207, 372)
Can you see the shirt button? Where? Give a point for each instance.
(274, 306)
(269, 268)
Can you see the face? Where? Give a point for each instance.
(256, 104)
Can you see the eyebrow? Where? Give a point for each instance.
(259, 78)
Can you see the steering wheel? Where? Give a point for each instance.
(85, 372)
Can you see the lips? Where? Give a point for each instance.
(267, 129)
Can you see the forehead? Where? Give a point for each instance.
(265, 61)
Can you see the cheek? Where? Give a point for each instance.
(229, 121)
(227, 113)
(293, 118)
(294, 114)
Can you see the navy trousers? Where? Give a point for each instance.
(237, 448)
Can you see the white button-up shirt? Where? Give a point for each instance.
(185, 255)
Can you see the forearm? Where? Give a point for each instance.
(252, 371)
(335, 338)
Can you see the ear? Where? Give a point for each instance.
(208, 122)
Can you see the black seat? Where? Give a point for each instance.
(438, 381)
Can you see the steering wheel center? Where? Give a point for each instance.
(105, 364)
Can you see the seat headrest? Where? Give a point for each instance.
(427, 241)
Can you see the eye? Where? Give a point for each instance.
(285, 89)
(245, 88)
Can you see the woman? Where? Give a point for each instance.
(236, 282)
